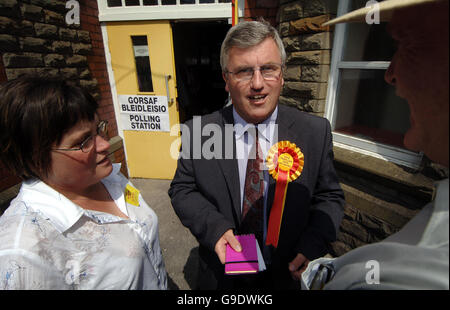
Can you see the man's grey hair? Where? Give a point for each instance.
(248, 34)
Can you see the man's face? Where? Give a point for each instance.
(256, 99)
(420, 73)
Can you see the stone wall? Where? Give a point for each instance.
(381, 197)
(35, 38)
(308, 46)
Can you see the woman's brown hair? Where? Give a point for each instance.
(35, 113)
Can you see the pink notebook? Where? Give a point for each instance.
(245, 261)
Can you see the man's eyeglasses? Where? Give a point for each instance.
(86, 145)
(270, 72)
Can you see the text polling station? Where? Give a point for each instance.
(144, 113)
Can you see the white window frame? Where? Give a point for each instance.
(198, 10)
(379, 150)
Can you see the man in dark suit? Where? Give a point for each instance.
(210, 189)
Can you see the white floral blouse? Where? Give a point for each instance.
(48, 242)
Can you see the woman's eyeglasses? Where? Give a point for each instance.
(86, 145)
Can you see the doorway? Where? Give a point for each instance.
(200, 86)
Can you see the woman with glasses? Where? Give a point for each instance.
(77, 222)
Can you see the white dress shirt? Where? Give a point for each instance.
(48, 242)
(416, 257)
(267, 136)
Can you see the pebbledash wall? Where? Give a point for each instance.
(35, 39)
(380, 196)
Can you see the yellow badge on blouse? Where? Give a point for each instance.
(132, 195)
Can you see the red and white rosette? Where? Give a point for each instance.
(285, 162)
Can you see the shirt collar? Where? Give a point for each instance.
(265, 131)
(61, 211)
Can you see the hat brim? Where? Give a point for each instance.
(386, 9)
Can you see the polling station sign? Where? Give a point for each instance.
(144, 113)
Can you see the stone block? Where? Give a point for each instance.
(8, 43)
(292, 73)
(339, 248)
(283, 29)
(54, 60)
(25, 60)
(46, 31)
(51, 17)
(7, 25)
(350, 212)
(319, 7)
(62, 47)
(304, 104)
(12, 74)
(31, 44)
(315, 73)
(316, 106)
(391, 213)
(84, 74)
(67, 34)
(84, 36)
(89, 85)
(291, 11)
(318, 57)
(289, 101)
(292, 44)
(9, 8)
(76, 61)
(69, 73)
(352, 241)
(49, 72)
(317, 41)
(25, 28)
(355, 229)
(32, 12)
(305, 90)
(81, 48)
(309, 25)
(54, 5)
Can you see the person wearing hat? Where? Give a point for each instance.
(417, 256)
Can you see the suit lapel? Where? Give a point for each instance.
(229, 167)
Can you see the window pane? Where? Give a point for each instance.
(187, 2)
(374, 43)
(368, 43)
(168, 2)
(131, 2)
(142, 60)
(150, 2)
(112, 3)
(224, 1)
(368, 108)
(206, 1)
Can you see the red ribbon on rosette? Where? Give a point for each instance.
(285, 162)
